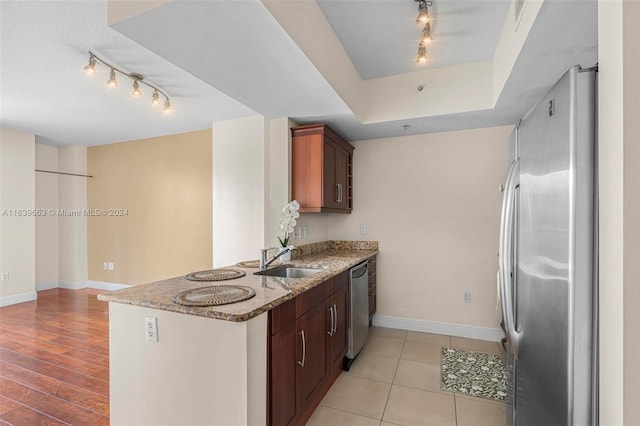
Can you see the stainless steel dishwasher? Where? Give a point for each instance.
(359, 318)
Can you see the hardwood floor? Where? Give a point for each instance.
(54, 360)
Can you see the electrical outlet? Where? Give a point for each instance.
(4, 276)
(467, 297)
(105, 266)
(151, 329)
(363, 229)
(110, 266)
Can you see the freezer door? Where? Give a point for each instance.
(554, 280)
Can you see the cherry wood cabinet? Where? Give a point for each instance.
(321, 170)
(340, 311)
(372, 287)
(307, 341)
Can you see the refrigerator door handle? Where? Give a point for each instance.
(505, 252)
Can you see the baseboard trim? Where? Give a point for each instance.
(458, 330)
(18, 298)
(47, 285)
(103, 285)
(72, 285)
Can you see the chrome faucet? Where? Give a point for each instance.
(263, 256)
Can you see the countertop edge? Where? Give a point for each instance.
(208, 312)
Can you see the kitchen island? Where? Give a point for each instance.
(210, 364)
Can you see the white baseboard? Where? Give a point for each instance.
(72, 285)
(47, 285)
(18, 298)
(458, 330)
(103, 285)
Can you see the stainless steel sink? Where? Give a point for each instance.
(289, 272)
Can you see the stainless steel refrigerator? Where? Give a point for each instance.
(548, 258)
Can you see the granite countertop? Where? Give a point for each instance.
(332, 257)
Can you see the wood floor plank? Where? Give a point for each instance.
(92, 384)
(62, 390)
(54, 360)
(50, 405)
(18, 414)
(76, 365)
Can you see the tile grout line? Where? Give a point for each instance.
(393, 380)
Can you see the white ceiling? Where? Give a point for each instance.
(43, 48)
(381, 37)
(226, 59)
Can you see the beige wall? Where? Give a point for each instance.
(17, 232)
(47, 238)
(165, 185)
(72, 230)
(631, 105)
(432, 202)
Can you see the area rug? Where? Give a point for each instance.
(473, 373)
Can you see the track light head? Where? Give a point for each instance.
(423, 12)
(426, 34)
(136, 89)
(422, 54)
(167, 106)
(91, 68)
(155, 98)
(112, 82)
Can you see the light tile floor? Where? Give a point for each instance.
(396, 381)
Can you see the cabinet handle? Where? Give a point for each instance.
(335, 323)
(339, 192)
(304, 350)
(330, 332)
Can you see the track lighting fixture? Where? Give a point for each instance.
(425, 38)
(137, 81)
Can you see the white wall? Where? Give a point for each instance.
(17, 233)
(47, 237)
(200, 372)
(239, 189)
(433, 204)
(72, 230)
(619, 209)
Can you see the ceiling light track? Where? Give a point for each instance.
(423, 18)
(138, 79)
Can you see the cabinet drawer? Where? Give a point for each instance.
(312, 297)
(340, 281)
(283, 315)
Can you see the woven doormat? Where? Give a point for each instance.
(473, 373)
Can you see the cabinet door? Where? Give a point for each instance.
(340, 305)
(312, 353)
(330, 186)
(284, 407)
(341, 179)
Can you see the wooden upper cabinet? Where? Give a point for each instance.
(321, 170)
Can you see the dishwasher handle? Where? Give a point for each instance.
(359, 270)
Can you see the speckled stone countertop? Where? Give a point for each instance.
(332, 257)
